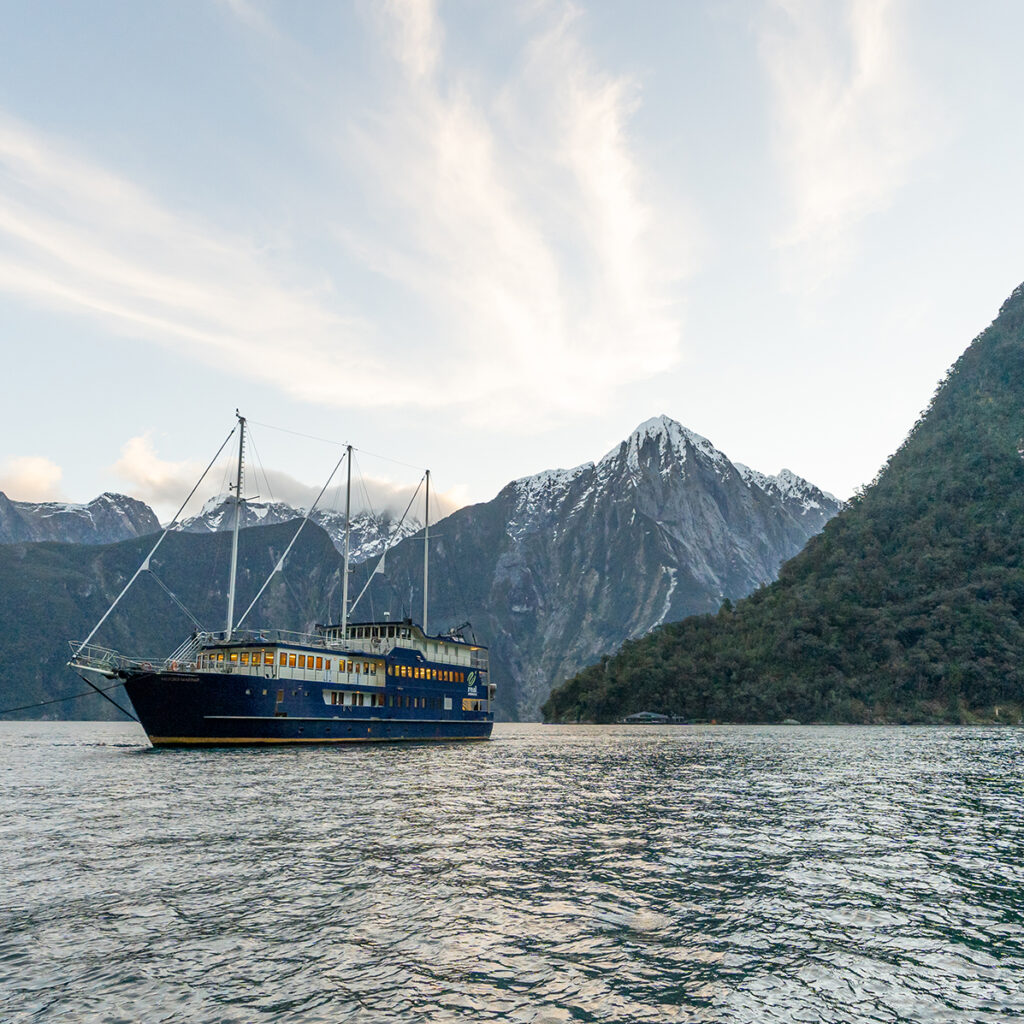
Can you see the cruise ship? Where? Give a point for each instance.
(345, 682)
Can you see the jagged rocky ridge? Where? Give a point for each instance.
(561, 567)
(116, 517)
(370, 534)
(104, 520)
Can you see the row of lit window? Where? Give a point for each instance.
(286, 660)
(443, 675)
(258, 657)
(235, 658)
(318, 663)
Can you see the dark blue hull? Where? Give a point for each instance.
(211, 709)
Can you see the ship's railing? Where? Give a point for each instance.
(186, 654)
(104, 660)
(263, 637)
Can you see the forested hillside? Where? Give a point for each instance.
(52, 593)
(906, 608)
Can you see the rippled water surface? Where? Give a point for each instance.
(552, 874)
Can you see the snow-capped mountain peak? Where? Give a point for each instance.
(568, 562)
(672, 440)
(539, 497)
(214, 503)
(792, 490)
(370, 532)
(546, 485)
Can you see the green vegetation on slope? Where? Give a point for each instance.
(907, 608)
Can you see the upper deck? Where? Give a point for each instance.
(384, 637)
(362, 650)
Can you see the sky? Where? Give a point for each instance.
(490, 238)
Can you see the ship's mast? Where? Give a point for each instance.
(238, 521)
(426, 551)
(348, 533)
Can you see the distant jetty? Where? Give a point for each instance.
(652, 718)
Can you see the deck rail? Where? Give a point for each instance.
(105, 660)
(185, 657)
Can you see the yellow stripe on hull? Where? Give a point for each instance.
(197, 741)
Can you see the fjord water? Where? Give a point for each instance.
(552, 874)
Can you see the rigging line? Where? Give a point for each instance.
(387, 458)
(106, 696)
(328, 440)
(259, 462)
(57, 700)
(305, 519)
(216, 565)
(387, 546)
(366, 499)
(298, 433)
(145, 564)
(381, 535)
(362, 485)
(291, 590)
(167, 590)
(329, 591)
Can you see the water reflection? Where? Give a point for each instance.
(607, 874)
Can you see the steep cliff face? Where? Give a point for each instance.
(104, 520)
(563, 566)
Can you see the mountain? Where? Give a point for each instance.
(555, 571)
(114, 517)
(108, 518)
(369, 535)
(907, 608)
(560, 567)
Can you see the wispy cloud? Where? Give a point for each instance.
(30, 478)
(519, 274)
(524, 230)
(850, 120)
(77, 236)
(164, 485)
